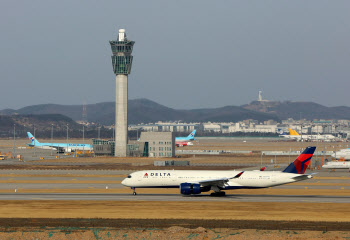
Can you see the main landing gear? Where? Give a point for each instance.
(134, 192)
(218, 194)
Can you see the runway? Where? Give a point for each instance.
(175, 197)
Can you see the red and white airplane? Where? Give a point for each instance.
(182, 144)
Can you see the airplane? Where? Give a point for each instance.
(190, 137)
(342, 154)
(193, 182)
(67, 147)
(337, 165)
(182, 144)
(294, 135)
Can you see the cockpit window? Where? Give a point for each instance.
(129, 176)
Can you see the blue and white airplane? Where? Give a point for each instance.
(66, 147)
(190, 137)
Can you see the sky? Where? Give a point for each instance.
(188, 54)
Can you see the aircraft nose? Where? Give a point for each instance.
(124, 182)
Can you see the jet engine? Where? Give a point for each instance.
(190, 188)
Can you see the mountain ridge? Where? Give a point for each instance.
(147, 111)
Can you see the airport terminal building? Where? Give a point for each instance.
(151, 144)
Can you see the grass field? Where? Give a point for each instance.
(305, 211)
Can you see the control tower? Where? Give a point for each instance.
(121, 61)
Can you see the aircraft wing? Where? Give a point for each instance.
(303, 177)
(219, 181)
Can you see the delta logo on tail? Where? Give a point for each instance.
(302, 162)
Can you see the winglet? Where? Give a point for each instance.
(238, 175)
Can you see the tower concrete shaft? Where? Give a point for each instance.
(121, 61)
(121, 115)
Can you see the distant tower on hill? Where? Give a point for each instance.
(260, 96)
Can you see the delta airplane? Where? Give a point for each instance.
(70, 147)
(294, 135)
(198, 181)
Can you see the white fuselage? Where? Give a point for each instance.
(326, 137)
(343, 153)
(337, 165)
(173, 178)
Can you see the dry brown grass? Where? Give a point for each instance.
(168, 233)
(176, 210)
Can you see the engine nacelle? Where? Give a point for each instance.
(190, 188)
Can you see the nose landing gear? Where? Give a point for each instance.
(134, 192)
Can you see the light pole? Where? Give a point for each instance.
(83, 139)
(290, 149)
(261, 160)
(14, 140)
(51, 138)
(301, 135)
(99, 129)
(316, 145)
(34, 141)
(67, 138)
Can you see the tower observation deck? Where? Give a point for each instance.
(121, 61)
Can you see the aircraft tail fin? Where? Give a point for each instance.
(191, 135)
(293, 132)
(300, 164)
(281, 132)
(33, 139)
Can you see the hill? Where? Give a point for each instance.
(295, 110)
(145, 111)
(43, 123)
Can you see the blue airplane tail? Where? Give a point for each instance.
(191, 135)
(34, 142)
(281, 132)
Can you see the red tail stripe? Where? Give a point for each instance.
(303, 157)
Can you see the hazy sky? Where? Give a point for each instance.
(188, 54)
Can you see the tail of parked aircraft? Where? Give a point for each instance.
(281, 132)
(300, 164)
(191, 135)
(293, 132)
(32, 139)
